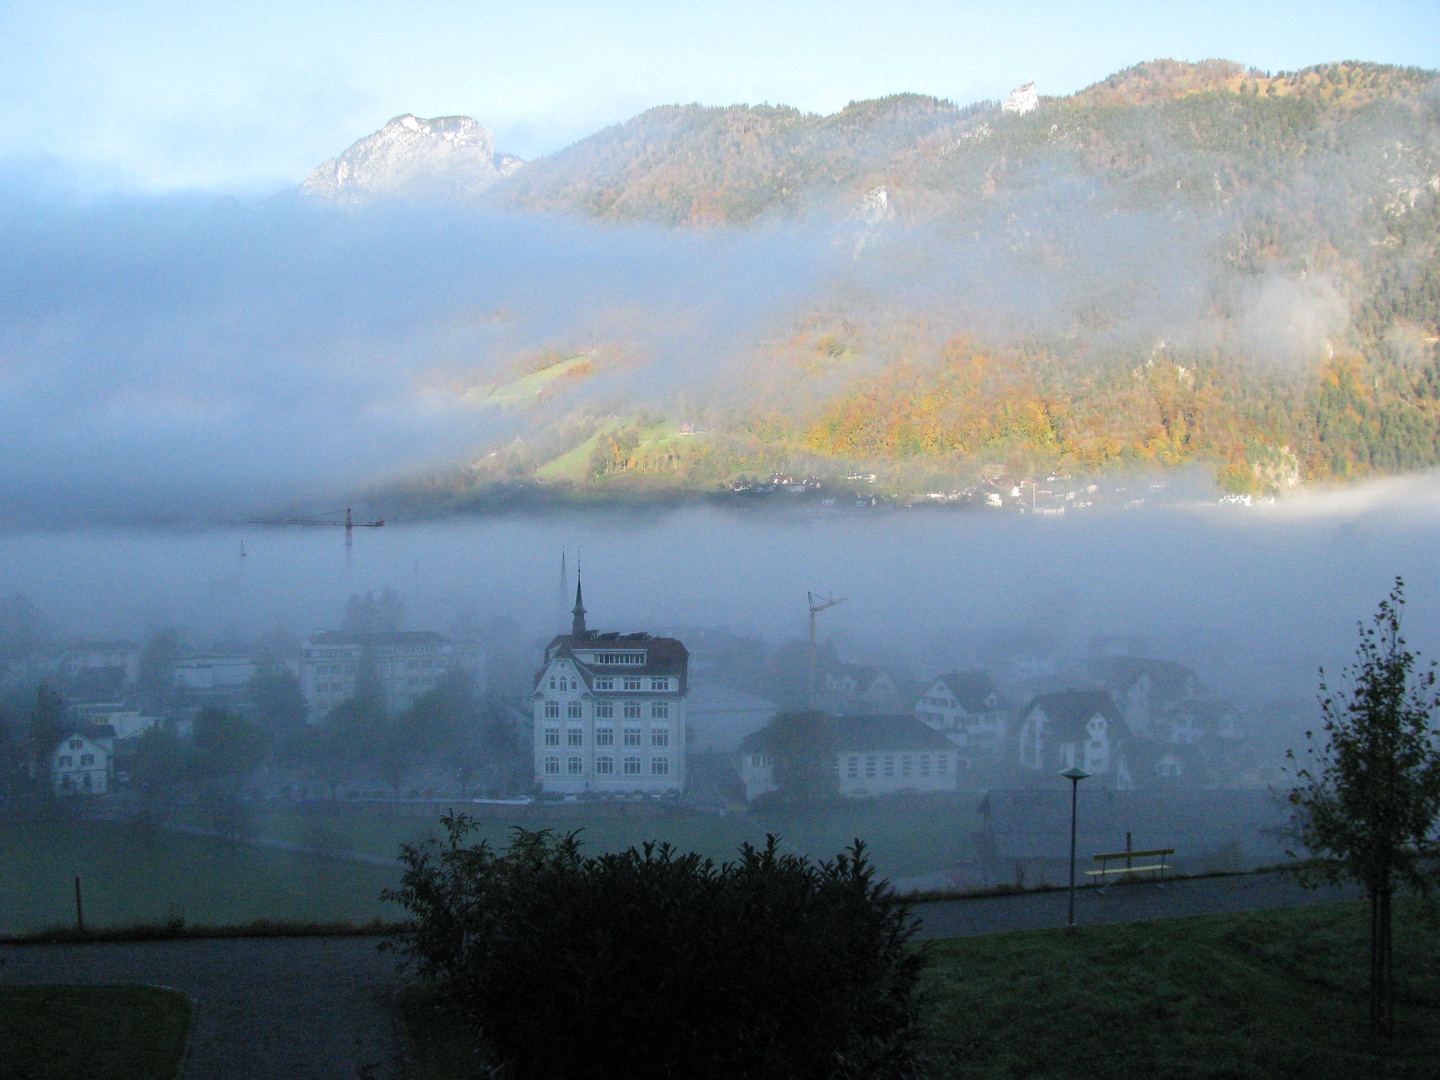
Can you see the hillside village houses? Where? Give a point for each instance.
(609, 712)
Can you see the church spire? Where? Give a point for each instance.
(577, 623)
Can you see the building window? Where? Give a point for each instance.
(552, 766)
(632, 710)
(632, 766)
(942, 763)
(552, 710)
(605, 766)
(605, 682)
(604, 736)
(552, 736)
(852, 767)
(659, 710)
(575, 766)
(87, 759)
(632, 682)
(608, 658)
(604, 710)
(75, 744)
(63, 761)
(659, 736)
(632, 736)
(552, 682)
(924, 764)
(659, 683)
(889, 765)
(575, 737)
(905, 765)
(870, 767)
(573, 710)
(659, 766)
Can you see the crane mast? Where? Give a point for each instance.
(817, 605)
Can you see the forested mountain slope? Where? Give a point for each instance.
(1183, 262)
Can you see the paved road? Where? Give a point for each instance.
(318, 1008)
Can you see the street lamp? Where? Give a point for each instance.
(1074, 776)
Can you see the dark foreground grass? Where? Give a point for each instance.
(92, 1032)
(1266, 996)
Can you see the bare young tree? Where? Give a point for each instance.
(1366, 803)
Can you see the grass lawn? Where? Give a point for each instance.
(903, 839)
(131, 878)
(1266, 996)
(91, 1032)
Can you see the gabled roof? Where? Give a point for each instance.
(1170, 680)
(1071, 710)
(91, 733)
(663, 656)
(387, 637)
(864, 734)
(971, 689)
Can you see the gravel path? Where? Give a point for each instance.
(266, 1008)
(319, 1008)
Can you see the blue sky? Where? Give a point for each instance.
(246, 97)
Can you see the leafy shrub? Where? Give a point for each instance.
(659, 964)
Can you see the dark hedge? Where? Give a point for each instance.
(658, 964)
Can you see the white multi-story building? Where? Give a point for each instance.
(409, 662)
(610, 712)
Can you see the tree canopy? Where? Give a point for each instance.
(1367, 802)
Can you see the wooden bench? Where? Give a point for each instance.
(1107, 858)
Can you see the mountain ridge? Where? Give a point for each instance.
(1182, 262)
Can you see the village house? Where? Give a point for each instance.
(609, 712)
(125, 721)
(410, 663)
(1145, 688)
(1071, 729)
(102, 666)
(870, 755)
(967, 710)
(1189, 722)
(856, 689)
(83, 763)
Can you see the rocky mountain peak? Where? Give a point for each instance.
(1022, 100)
(446, 156)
